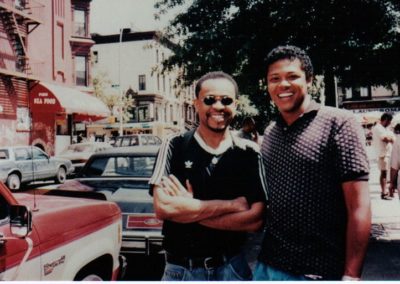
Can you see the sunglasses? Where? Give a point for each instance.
(210, 100)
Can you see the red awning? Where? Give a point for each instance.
(47, 97)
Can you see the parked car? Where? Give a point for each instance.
(122, 175)
(24, 164)
(79, 153)
(135, 140)
(51, 238)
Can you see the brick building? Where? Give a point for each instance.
(45, 72)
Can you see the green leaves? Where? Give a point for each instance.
(355, 40)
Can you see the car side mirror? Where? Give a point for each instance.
(20, 220)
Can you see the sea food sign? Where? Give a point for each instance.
(45, 101)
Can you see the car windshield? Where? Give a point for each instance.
(140, 166)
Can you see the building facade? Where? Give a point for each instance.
(370, 99)
(17, 21)
(369, 103)
(46, 72)
(131, 62)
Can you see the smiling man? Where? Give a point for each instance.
(317, 174)
(209, 188)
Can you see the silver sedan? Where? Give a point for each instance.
(24, 164)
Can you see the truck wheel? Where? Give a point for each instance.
(61, 175)
(13, 181)
(91, 277)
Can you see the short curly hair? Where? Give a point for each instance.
(291, 52)
(215, 75)
(387, 116)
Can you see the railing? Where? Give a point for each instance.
(31, 7)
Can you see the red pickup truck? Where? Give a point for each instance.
(58, 238)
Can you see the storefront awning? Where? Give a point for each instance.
(46, 97)
(135, 125)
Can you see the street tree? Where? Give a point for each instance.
(112, 98)
(356, 41)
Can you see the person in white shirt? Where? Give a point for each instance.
(395, 163)
(92, 138)
(382, 140)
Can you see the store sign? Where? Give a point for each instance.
(382, 110)
(43, 99)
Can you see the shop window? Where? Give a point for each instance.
(61, 125)
(143, 114)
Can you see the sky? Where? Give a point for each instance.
(108, 16)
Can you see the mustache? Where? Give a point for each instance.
(219, 112)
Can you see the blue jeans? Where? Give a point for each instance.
(236, 269)
(264, 272)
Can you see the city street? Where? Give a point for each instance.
(383, 256)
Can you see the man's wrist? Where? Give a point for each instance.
(350, 278)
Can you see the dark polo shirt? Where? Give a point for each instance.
(306, 164)
(238, 172)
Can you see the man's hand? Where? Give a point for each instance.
(241, 204)
(173, 187)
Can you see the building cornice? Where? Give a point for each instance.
(135, 36)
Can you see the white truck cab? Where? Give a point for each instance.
(58, 238)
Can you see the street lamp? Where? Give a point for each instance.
(121, 126)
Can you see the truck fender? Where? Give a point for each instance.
(100, 244)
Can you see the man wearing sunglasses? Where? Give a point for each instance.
(209, 188)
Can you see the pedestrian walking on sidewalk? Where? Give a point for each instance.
(395, 163)
(382, 141)
(316, 165)
(209, 188)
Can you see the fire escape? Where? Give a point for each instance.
(18, 21)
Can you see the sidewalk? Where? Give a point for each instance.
(385, 213)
